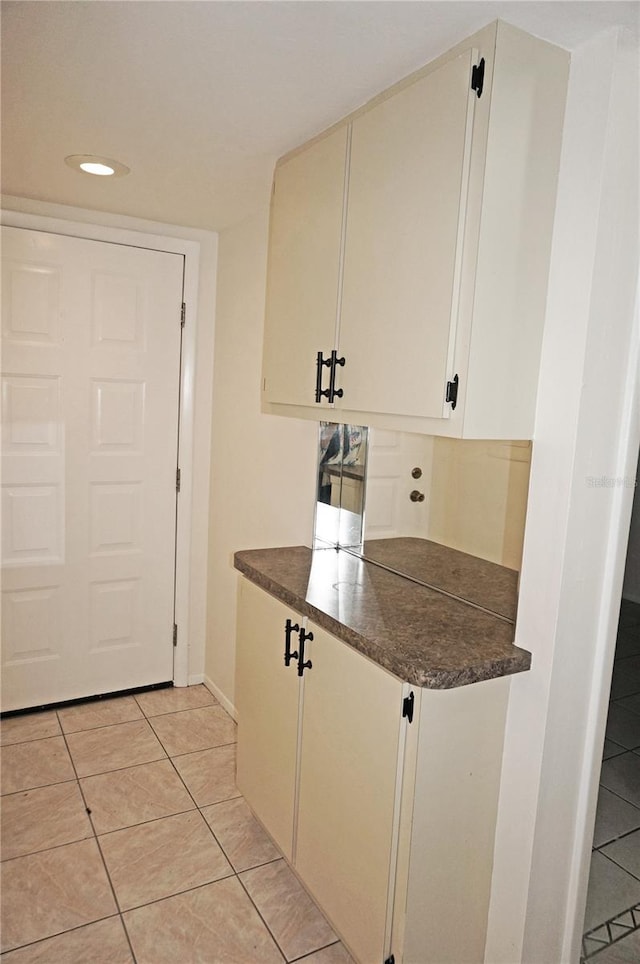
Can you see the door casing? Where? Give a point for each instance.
(188, 661)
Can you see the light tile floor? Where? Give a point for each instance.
(125, 839)
(612, 918)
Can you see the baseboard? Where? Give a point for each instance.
(221, 698)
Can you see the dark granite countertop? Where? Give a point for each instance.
(476, 580)
(420, 635)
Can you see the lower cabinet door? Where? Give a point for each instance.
(267, 700)
(351, 725)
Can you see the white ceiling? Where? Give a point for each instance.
(199, 98)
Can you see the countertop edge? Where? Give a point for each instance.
(518, 661)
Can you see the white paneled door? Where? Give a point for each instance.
(90, 390)
(390, 460)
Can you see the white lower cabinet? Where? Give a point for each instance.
(267, 701)
(388, 823)
(351, 727)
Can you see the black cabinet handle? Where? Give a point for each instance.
(333, 391)
(320, 391)
(289, 628)
(302, 638)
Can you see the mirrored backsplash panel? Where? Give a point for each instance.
(467, 495)
(340, 502)
(427, 500)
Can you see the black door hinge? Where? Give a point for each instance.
(175, 635)
(452, 392)
(407, 707)
(477, 78)
(390, 960)
(177, 480)
(183, 314)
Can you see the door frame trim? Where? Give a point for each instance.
(188, 666)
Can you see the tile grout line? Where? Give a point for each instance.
(201, 706)
(615, 862)
(75, 779)
(619, 795)
(259, 913)
(607, 843)
(236, 873)
(616, 701)
(305, 957)
(608, 923)
(178, 893)
(96, 836)
(49, 937)
(144, 823)
(216, 747)
(41, 786)
(104, 863)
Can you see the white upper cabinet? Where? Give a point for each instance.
(413, 241)
(407, 186)
(304, 267)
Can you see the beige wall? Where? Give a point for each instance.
(475, 493)
(262, 466)
(478, 497)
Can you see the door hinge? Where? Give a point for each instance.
(390, 960)
(477, 78)
(452, 392)
(407, 707)
(175, 635)
(177, 480)
(183, 314)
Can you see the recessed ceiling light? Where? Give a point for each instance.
(102, 166)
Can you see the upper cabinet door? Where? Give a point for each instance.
(415, 240)
(405, 218)
(304, 269)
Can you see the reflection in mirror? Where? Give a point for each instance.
(474, 493)
(342, 456)
(449, 513)
(446, 513)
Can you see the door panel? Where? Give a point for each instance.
(304, 269)
(267, 700)
(90, 387)
(350, 736)
(408, 174)
(390, 460)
